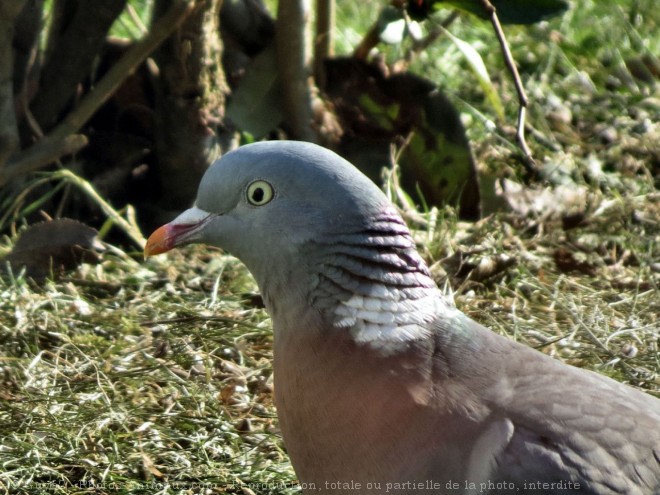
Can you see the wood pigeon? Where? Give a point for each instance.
(381, 384)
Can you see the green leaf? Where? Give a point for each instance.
(477, 65)
(378, 110)
(510, 11)
(255, 105)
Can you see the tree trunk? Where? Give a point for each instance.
(324, 46)
(294, 58)
(26, 36)
(77, 34)
(8, 129)
(189, 102)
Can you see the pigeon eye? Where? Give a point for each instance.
(259, 192)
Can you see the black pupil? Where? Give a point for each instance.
(258, 195)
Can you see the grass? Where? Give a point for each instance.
(123, 374)
(155, 377)
(151, 377)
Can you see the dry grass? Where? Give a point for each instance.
(155, 377)
(125, 377)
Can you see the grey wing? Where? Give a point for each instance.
(554, 428)
(570, 425)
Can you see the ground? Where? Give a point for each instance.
(133, 376)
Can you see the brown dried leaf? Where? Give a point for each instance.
(566, 261)
(555, 202)
(54, 247)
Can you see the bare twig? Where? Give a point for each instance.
(124, 67)
(294, 52)
(369, 41)
(81, 31)
(33, 159)
(434, 33)
(8, 130)
(324, 41)
(372, 38)
(41, 154)
(511, 65)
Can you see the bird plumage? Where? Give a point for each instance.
(380, 381)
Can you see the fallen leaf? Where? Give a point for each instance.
(559, 201)
(51, 248)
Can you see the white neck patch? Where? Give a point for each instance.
(389, 319)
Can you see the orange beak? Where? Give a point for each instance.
(161, 241)
(184, 229)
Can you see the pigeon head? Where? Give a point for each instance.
(265, 200)
(306, 222)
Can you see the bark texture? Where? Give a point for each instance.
(189, 102)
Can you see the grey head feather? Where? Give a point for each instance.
(329, 240)
(303, 173)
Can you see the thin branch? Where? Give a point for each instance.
(372, 38)
(324, 40)
(124, 67)
(77, 42)
(511, 65)
(294, 52)
(38, 155)
(8, 131)
(434, 33)
(369, 41)
(41, 154)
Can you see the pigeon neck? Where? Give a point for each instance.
(374, 284)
